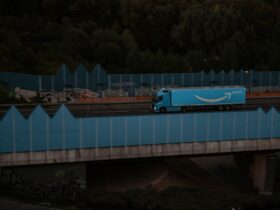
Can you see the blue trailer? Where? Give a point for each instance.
(184, 99)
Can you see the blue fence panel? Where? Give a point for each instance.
(173, 82)
(126, 80)
(119, 132)
(275, 78)
(196, 79)
(59, 78)
(40, 132)
(127, 84)
(219, 78)
(39, 120)
(264, 79)
(214, 122)
(240, 125)
(152, 80)
(226, 126)
(47, 82)
(253, 124)
(81, 77)
(240, 77)
(266, 124)
(69, 80)
(58, 83)
(188, 79)
(174, 132)
(160, 129)
(57, 131)
(201, 127)
(7, 131)
(133, 130)
(115, 81)
(231, 76)
(10, 79)
(276, 123)
(178, 80)
(104, 132)
(236, 78)
(206, 79)
(188, 127)
(227, 78)
(136, 78)
(98, 78)
(167, 79)
(246, 78)
(146, 80)
(24, 81)
(158, 80)
(147, 130)
(22, 134)
(29, 81)
(72, 130)
(89, 132)
(255, 79)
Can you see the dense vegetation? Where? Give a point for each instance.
(178, 199)
(139, 35)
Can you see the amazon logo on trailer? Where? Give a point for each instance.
(214, 100)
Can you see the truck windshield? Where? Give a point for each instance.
(156, 98)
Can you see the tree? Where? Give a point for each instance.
(76, 43)
(111, 55)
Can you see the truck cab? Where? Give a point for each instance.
(161, 100)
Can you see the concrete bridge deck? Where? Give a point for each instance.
(161, 150)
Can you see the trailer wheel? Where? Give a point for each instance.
(162, 110)
(228, 107)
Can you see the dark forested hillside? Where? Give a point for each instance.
(139, 35)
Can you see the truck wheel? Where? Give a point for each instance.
(184, 109)
(162, 110)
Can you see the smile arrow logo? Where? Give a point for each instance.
(214, 100)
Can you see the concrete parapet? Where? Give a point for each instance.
(226, 146)
(238, 146)
(262, 144)
(274, 143)
(252, 145)
(199, 148)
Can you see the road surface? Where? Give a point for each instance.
(126, 108)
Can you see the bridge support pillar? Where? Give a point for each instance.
(264, 167)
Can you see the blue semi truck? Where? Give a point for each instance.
(184, 99)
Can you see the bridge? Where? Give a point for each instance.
(63, 138)
(42, 138)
